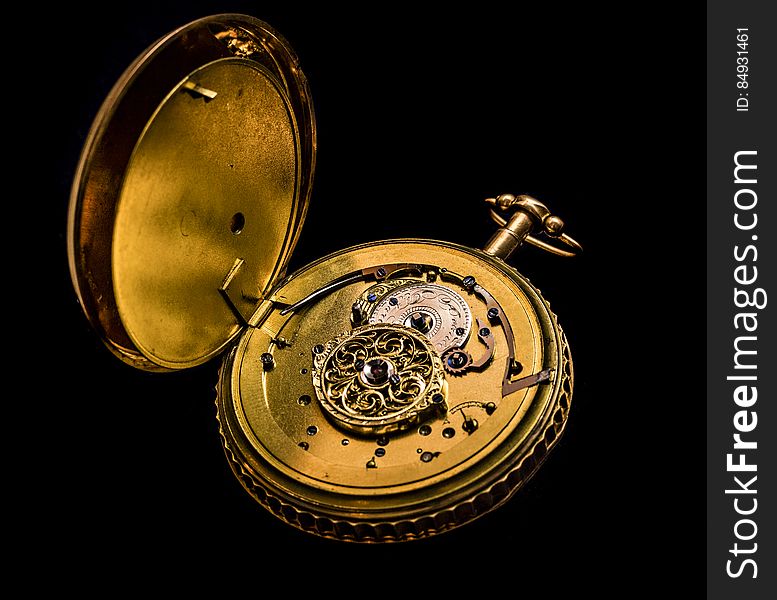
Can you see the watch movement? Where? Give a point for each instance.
(385, 392)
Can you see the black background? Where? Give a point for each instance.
(421, 114)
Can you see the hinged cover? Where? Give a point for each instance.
(191, 191)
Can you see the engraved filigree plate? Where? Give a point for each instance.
(379, 378)
(365, 304)
(437, 311)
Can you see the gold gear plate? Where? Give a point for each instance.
(378, 379)
(291, 455)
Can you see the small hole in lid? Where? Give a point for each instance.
(237, 223)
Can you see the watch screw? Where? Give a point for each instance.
(381, 272)
(457, 360)
(357, 314)
(469, 282)
(469, 425)
(268, 362)
(515, 367)
(493, 313)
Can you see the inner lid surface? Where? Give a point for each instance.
(204, 213)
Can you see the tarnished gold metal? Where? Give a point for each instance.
(386, 392)
(171, 193)
(378, 379)
(527, 214)
(449, 467)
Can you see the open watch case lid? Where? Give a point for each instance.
(191, 191)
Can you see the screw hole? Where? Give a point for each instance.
(237, 223)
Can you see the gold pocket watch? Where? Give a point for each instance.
(386, 392)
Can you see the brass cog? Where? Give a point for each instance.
(456, 361)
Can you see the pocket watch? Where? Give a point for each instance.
(386, 392)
